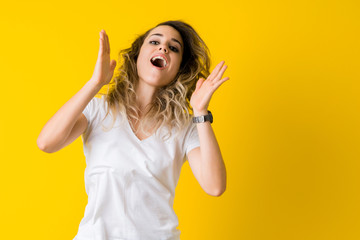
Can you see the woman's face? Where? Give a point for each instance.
(166, 43)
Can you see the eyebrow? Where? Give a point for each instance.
(159, 34)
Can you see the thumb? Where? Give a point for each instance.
(199, 83)
(112, 65)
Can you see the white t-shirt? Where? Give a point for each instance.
(130, 183)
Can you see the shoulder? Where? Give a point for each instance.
(189, 127)
(97, 109)
(99, 104)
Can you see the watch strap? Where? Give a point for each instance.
(203, 118)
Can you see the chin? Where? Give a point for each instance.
(153, 81)
(155, 78)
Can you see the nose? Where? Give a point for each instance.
(162, 48)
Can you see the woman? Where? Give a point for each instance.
(134, 156)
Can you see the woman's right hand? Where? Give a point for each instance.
(104, 68)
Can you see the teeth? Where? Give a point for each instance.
(159, 57)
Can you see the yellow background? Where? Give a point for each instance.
(287, 121)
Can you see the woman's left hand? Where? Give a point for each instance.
(205, 88)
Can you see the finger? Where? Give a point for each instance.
(217, 84)
(220, 73)
(106, 42)
(216, 70)
(101, 40)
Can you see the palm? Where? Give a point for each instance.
(205, 88)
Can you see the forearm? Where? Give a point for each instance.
(58, 128)
(213, 171)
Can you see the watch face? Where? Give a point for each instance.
(201, 119)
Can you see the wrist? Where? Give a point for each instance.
(200, 112)
(96, 82)
(94, 85)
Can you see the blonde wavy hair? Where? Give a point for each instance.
(171, 105)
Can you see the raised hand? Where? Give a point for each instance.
(104, 68)
(200, 98)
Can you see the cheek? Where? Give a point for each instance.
(177, 65)
(141, 61)
(142, 55)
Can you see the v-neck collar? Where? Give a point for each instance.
(134, 135)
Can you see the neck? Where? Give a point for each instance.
(145, 94)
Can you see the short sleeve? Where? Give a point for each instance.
(91, 110)
(191, 139)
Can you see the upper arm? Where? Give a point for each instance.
(78, 129)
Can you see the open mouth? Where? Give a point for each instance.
(158, 62)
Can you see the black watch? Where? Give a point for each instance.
(204, 118)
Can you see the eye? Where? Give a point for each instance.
(174, 49)
(171, 47)
(153, 41)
